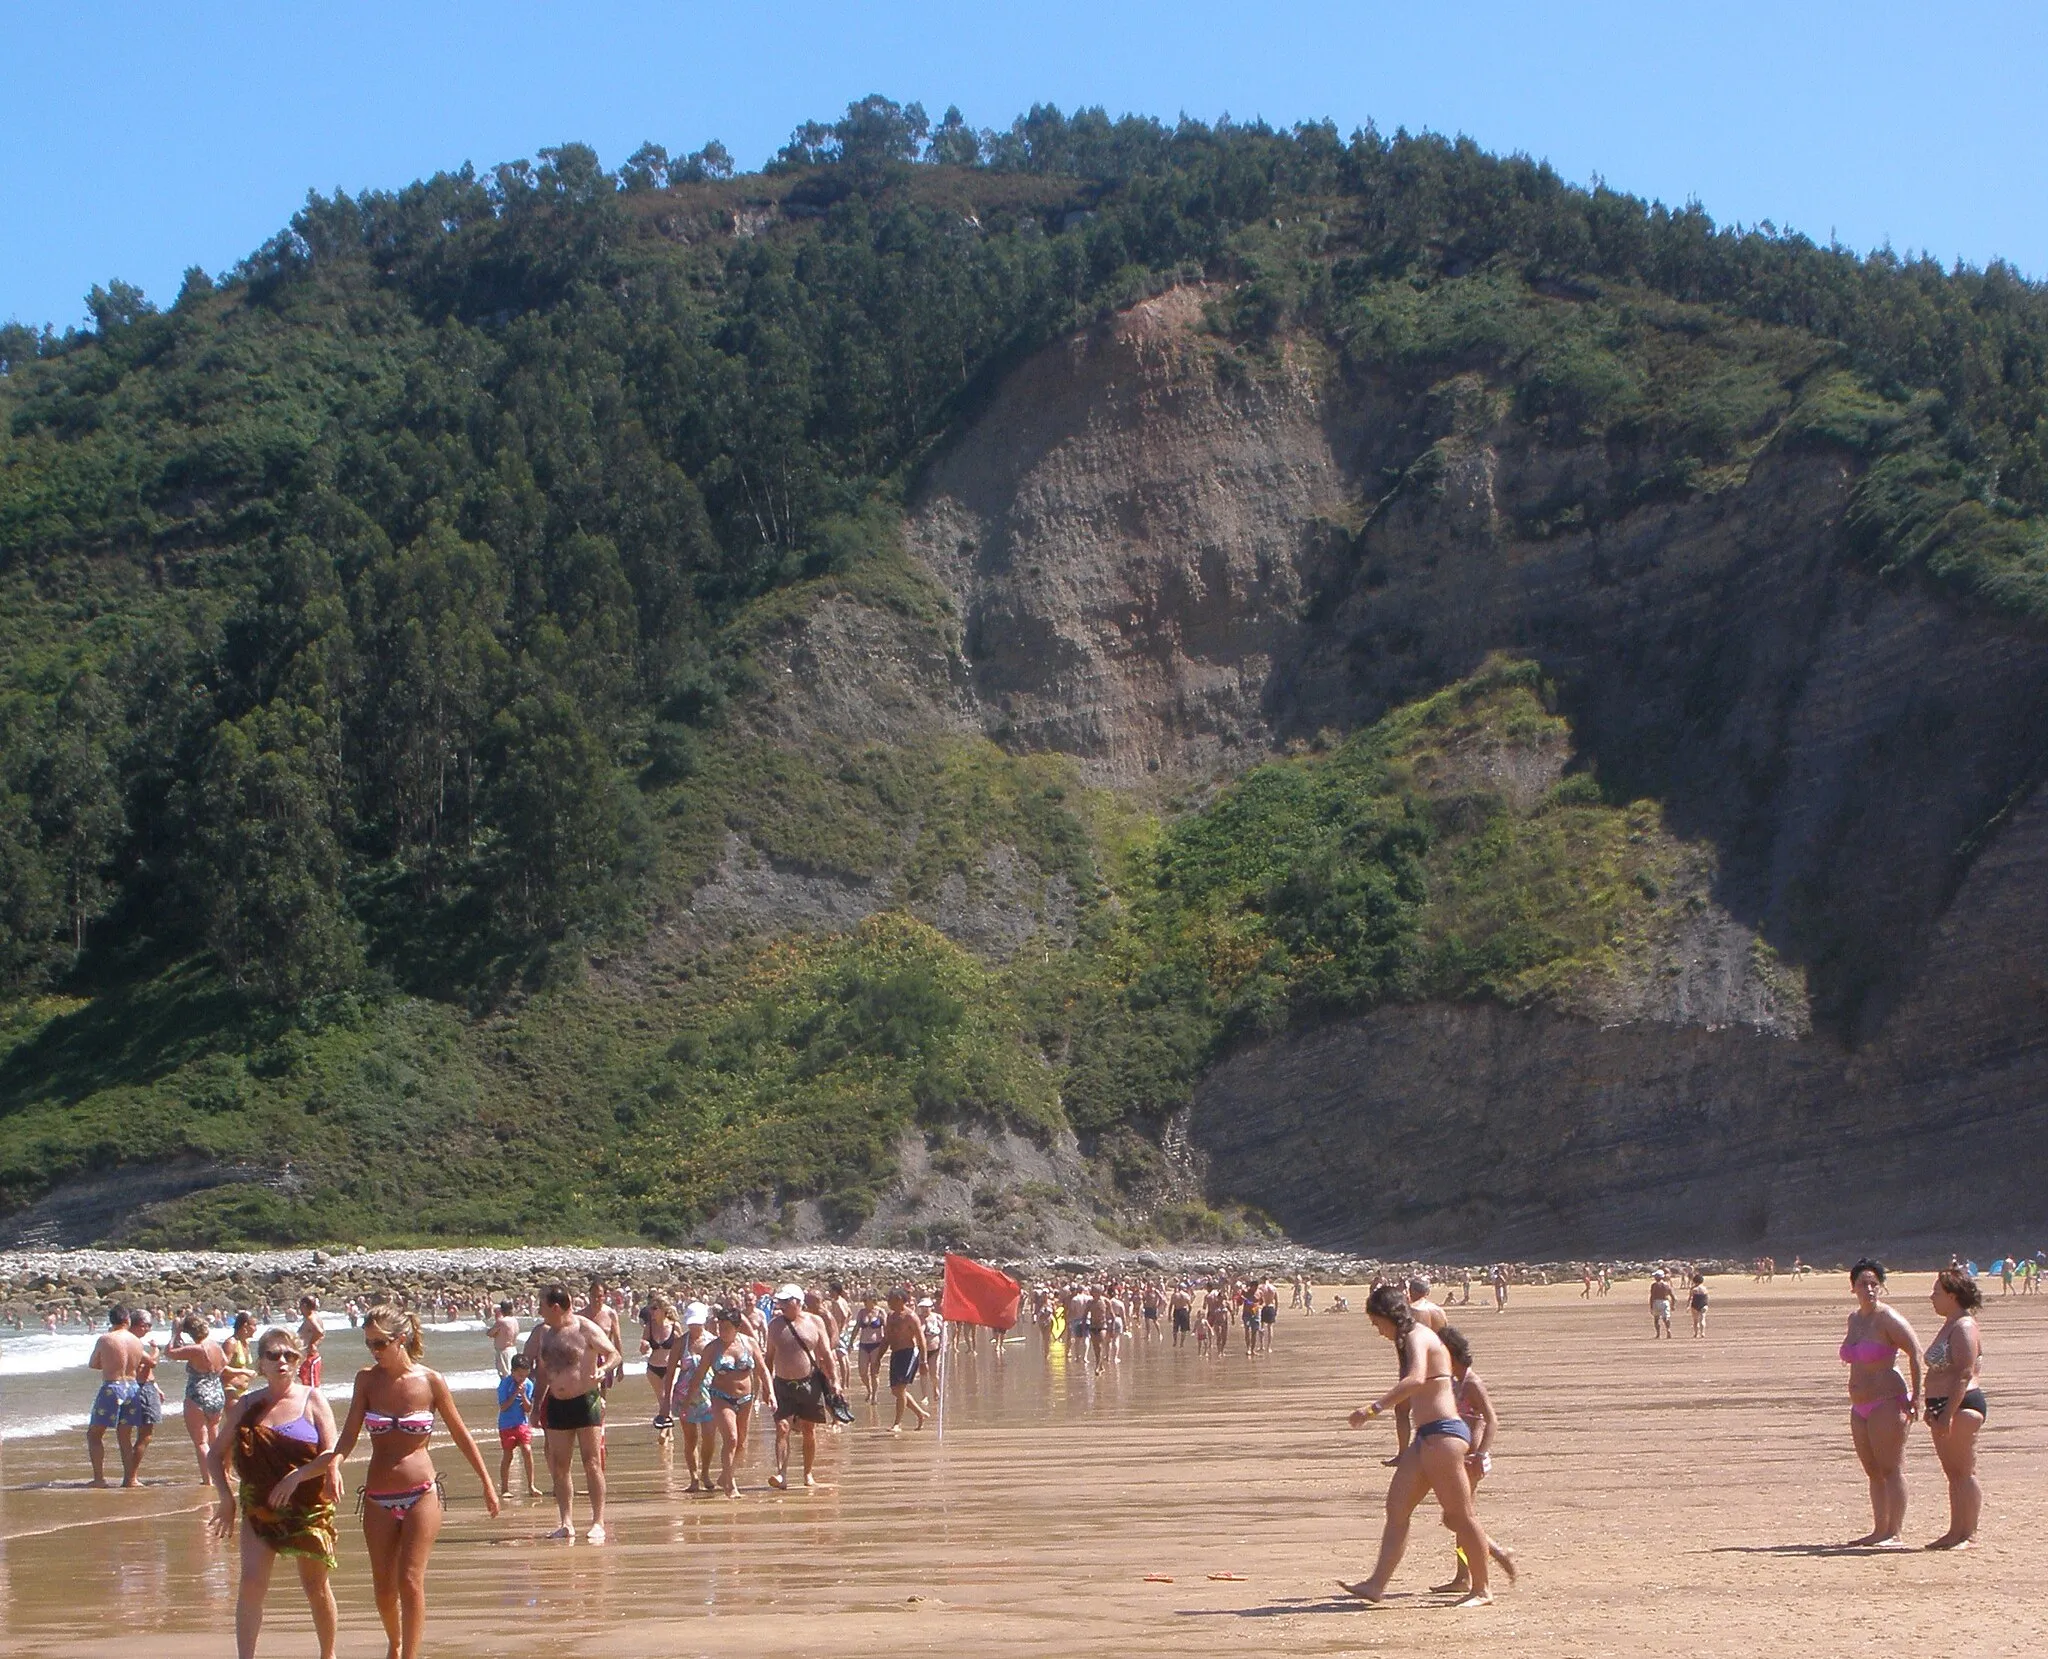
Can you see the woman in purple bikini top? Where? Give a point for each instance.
(1881, 1404)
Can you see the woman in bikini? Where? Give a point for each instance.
(660, 1337)
(728, 1378)
(238, 1375)
(867, 1327)
(1475, 1405)
(1955, 1406)
(1434, 1460)
(397, 1399)
(274, 1430)
(206, 1395)
(1881, 1405)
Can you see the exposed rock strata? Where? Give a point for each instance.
(1142, 541)
(1447, 1129)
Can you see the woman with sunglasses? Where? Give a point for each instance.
(396, 1400)
(275, 1429)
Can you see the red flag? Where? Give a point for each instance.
(978, 1295)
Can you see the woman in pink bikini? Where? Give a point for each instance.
(397, 1400)
(1881, 1404)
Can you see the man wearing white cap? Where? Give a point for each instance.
(800, 1362)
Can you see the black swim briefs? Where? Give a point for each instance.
(585, 1411)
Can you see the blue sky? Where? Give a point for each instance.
(137, 140)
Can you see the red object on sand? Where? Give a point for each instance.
(979, 1295)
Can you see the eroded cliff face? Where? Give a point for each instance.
(1167, 561)
(1126, 533)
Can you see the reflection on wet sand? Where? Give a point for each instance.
(1628, 1473)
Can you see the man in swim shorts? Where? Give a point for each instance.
(800, 1371)
(570, 1354)
(903, 1334)
(1660, 1305)
(118, 1358)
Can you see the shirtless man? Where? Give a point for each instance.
(1431, 1317)
(903, 1336)
(310, 1333)
(1660, 1304)
(838, 1311)
(601, 1313)
(570, 1353)
(1180, 1309)
(118, 1357)
(800, 1368)
(505, 1338)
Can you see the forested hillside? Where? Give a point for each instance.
(391, 632)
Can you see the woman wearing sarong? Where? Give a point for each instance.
(274, 1429)
(396, 1401)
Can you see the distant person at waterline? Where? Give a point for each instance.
(504, 1338)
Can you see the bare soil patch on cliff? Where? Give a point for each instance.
(1678, 1498)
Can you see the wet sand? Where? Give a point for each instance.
(1679, 1497)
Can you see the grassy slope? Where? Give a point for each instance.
(637, 1105)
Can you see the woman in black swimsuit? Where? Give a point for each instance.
(1955, 1406)
(660, 1338)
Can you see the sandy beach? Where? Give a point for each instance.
(1680, 1497)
